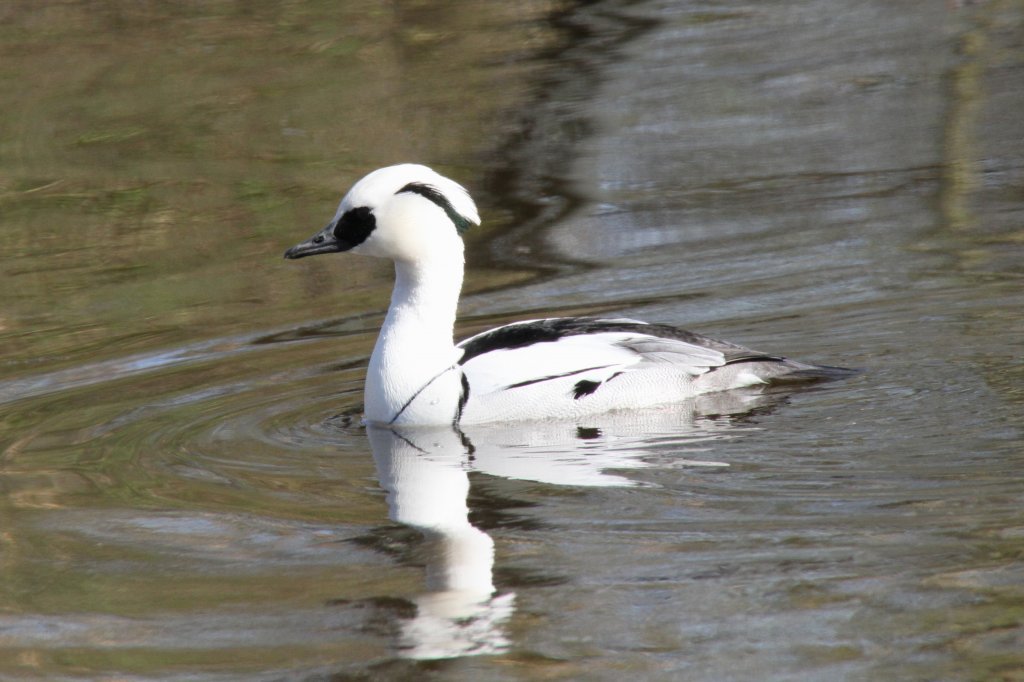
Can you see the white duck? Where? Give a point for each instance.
(550, 368)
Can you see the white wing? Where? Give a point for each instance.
(561, 349)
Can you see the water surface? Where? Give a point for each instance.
(187, 490)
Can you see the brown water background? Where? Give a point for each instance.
(183, 492)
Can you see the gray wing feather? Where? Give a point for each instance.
(658, 350)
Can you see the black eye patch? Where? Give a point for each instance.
(354, 226)
(462, 223)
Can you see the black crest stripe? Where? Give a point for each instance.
(433, 194)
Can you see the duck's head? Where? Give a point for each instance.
(404, 212)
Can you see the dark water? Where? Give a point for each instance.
(188, 494)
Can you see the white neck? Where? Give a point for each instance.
(415, 345)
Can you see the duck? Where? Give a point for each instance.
(538, 369)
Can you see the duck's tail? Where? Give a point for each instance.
(802, 371)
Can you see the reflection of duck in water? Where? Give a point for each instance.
(559, 367)
(425, 473)
(425, 476)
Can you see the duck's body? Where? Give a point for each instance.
(550, 368)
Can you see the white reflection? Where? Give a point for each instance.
(587, 453)
(425, 473)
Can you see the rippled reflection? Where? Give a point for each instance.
(595, 451)
(425, 475)
(425, 472)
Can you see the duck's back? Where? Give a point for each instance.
(565, 367)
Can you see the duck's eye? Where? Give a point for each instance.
(354, 226)
(319, 239)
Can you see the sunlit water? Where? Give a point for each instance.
(188, 492)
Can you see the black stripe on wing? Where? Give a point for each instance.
(523, 334)
(584, 387)
(463, 399)
(551, 377)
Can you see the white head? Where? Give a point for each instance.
(406, 212)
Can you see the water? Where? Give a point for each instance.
(188, 493)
